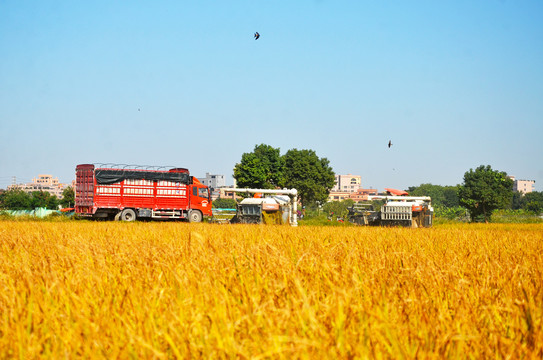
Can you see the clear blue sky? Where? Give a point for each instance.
(453, 84)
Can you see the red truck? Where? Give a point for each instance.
(128, 193)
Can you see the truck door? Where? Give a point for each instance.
(200, 199)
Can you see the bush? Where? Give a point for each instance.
(224, 203)
(16, 199)
(457, 213)
(515, 216)
(337, 209)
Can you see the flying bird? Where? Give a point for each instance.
(389, 143)
(257, 35)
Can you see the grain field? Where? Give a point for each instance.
(177, 290)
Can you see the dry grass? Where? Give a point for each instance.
(165, 290)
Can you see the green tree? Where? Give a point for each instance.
(517, 200)
(43, 199)
(16, 200)
(338, 208)
(442, 196)
(451, 196)
(310, 175)
(377, 204)
(224, 203)
(534, 206)
(433, 191)
(533, 201)
(260, 169)
(68, 198)
(485, 190)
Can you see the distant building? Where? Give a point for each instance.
(350, 187)
(228, 194)
(45, 180)
(45, 183)
(359, 195)
(523, 186)
(338, 195)
(347, 183)
(213, 181)
(362, 194)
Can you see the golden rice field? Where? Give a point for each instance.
(178, 290)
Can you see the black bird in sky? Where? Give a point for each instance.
(257, 35)
(389, 143)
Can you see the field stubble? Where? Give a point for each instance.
(144, 290)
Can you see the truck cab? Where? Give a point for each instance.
(200, 200)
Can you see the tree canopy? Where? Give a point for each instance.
(42, 199)
(532, 201)
(68, 197)
(444, 196)
(485, 190)
(312, 176)
(17, 199)
(260, 169)
(338, 208)
(303, 170)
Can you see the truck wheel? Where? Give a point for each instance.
(195, 216)
(118, 216)
(128, 215)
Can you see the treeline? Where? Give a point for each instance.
(530, 202)
(446, 197)
(17, 199)
(442, 196)
(446, 202)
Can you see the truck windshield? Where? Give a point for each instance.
(202, 192)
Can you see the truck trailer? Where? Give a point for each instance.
(127, 193)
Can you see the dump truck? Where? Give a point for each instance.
(127, 193)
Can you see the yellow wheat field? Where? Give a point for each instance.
(177, 290)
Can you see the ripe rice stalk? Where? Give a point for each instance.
(180, 290)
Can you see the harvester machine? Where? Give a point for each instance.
(408, 211)
(267, 206)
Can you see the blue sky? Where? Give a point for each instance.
(453, 84)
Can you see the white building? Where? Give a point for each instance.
(523, 186)
(43, 182)
(213, 181)
(347, 183)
